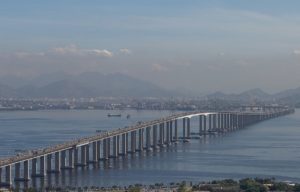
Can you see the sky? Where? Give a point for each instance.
(199, 45)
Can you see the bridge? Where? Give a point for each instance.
(150, 135)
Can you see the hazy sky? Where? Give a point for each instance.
(205, 45)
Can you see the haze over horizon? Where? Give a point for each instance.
(205, 46)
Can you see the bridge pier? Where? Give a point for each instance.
(83, 155)
(183, 127)
(76, 161)
(127, 143)
(167, 133)
(200, 124)
(154, 127)
(63, 159)
(42, 166)
(49, 163)
(26, 170)
(8, 179)
(57, 162)
(161, 135)
(95, 152)
(105, 156)
(171, 132)
(118, 145)
(17, 171)
(188, 128)
(33, 167)
(71, 159)
(176, 130)
(214, 121)
(124, 144)
(141, 140)
(148, 138)
(133, 141)
(115, 148)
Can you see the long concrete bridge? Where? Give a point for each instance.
(150, 135)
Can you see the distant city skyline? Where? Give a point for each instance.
(205, 46)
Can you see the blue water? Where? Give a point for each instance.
(267, 149)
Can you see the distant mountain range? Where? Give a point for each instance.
(85, 85)
(93, 84)
(290, 96)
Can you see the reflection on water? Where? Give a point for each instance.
(267, 149)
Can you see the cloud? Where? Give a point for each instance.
(98, 52)
(158, 68)
(74, 50)
(126, 51)
(296, 51)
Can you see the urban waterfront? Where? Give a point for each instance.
(267, 149)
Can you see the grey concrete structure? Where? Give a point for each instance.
(162, 131)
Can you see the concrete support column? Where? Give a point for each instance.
(108, 141)
(8, 175)
(141, 139)
(171, 131)
(200, 125)
(168, 133)
(148, 138)
(124, 145)
(49, 162)
(105, 148)
(42, 166)
(33, 167)
(161, 135)
(204, 124)
(183, 126)
(87, 153)
(115, 152)
(71, 159)
(26, 169)
(176, 130)
(209, 121)
(188, 127)
(228, 121)
(118, 144)
(218, 121)
(17, 171)
(76, 157)
(133, 141)
(98, 150)
(95, 152)
(215, 121)
(63, 159)
(154, 136)
(83, 155)
(225, 121)
(127, 142)
(57, 162)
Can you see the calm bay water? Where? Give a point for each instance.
(267, 149)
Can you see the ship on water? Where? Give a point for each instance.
(114, 115)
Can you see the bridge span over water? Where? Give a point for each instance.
(150, 135)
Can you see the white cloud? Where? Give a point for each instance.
(74, 50)
(126, 51)
(98, 52)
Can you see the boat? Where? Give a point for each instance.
(113, 115)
